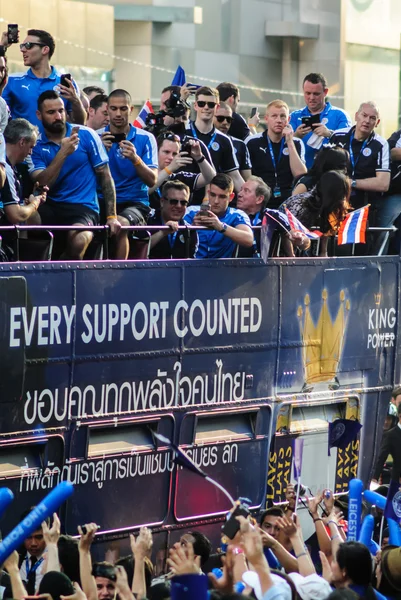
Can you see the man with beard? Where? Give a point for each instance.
(133, 164)
(71, 161)
(276, 156)
(22, 91)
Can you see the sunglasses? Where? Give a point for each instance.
(29, 45)
(171, 137)
(202, 104)
(221, 119)
(174, 202)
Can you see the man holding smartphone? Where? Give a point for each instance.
(133, 164)
(277, 156)
(23, 90)
(316, 122)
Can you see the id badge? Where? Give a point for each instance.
(277, 192)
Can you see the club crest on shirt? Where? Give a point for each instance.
(324, 121)
(215, 146)
(286, 152)
(337, 431)
(367, 152)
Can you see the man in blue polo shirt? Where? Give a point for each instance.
(23, 89)
(325, 117)
(228, 227)
(71, 161)
(133, 165)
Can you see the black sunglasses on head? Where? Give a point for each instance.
(171, 137)
(29, 45)
(202, 104)
(221, 119)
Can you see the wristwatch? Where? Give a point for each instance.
(353, 183)
(202, 158)
(224, 228)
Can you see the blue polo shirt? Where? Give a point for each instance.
(76, 182)
(213, 244)
(333, 117)
(129, 186)
(23, 90)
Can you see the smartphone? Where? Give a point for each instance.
(254, 111)
(12, 33)
(39, 191)
(119, 137)
(186, 147)
(232, 526)
(309, 121)
(63, 79)
(204, 207)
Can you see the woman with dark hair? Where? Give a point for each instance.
(327, 159)
(324, 207)
(352, 568)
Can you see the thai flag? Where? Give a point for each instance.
(353, 228)
(146, 109)
(297, 226)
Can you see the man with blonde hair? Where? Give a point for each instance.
(276, 155)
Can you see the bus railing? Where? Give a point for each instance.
(19, 230)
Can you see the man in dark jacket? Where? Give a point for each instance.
(391, 445)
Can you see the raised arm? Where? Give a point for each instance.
(17, 586)
(51, 536)
(322, 536)
(288, 562)
(49, 175)
(297, 163)
(294, 532)
(140, 547)
(85, 560)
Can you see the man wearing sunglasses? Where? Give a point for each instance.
(23, 91)
(173, 242)
(219, 145)
(223, 120)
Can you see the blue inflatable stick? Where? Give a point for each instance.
(375, 498)
(394, 531)
(354, 509)
(6, 497)
(33, 521)
(365, 535)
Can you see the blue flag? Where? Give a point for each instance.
(342, 432)
(180, 458)
(392, 510)
(273, 220)
(297, 449)
(179, 77)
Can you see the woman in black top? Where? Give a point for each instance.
(327, 159)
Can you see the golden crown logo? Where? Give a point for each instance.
(322, 342)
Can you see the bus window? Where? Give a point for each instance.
(115, 440)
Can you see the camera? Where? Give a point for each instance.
(175, 108)
(232, 526)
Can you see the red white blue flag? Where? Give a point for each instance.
(146, 109)
(296, 225)
(353, 228)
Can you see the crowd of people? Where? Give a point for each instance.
(265, 558)
(194, 187)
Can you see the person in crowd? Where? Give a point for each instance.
(219, 145)
(253, 198)
(369, 156)
(276, 155)
(199, 543)
(172, 242)
(133, 165)
(173, 159)
(169, 97)
(98, 116)
(390, 446)
(229, 94)
(330, 118)
(227, 227)
(223, 120)
(31, 564)
(71, 161)
(327, 159)
(276, 554)
(22, 91)
(4, 110)
(324, 207)
(85, 103)
(20, 136)
(395, 400)
(93, 90)
(388, 572)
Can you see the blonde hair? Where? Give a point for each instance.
(278, 104)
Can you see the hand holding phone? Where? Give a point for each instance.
(64, 79)
(12, 33)
(232, 525)
(254, 111)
